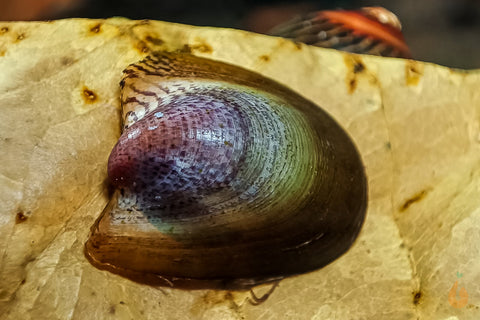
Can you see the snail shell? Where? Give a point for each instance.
(369, 30)
(224, 175)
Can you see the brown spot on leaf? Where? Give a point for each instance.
(416, 198)
(417, 297)
(413, 72)
(355, 68)
(142, 47)
(2, 52)
(66, 61)
(358, 66)
(264, 58)
(21, 37)
(23, 282)
(89, 96)
(97, 28)
(352, 85)
(21, 217)
(154, 40)
(111, 310)
(4, 30)
(201, 47)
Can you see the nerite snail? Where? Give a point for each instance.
(224, 175)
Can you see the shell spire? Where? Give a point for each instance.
(369, 30)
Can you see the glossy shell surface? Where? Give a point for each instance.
(222, 175)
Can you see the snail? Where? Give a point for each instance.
(369, 30)
(223, 176)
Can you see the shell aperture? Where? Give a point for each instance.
(222, 175)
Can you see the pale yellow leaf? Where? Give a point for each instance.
(416, 126)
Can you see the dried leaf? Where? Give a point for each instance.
(416, 126)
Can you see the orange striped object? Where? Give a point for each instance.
(370, 30)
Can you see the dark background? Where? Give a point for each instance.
(446, 32)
